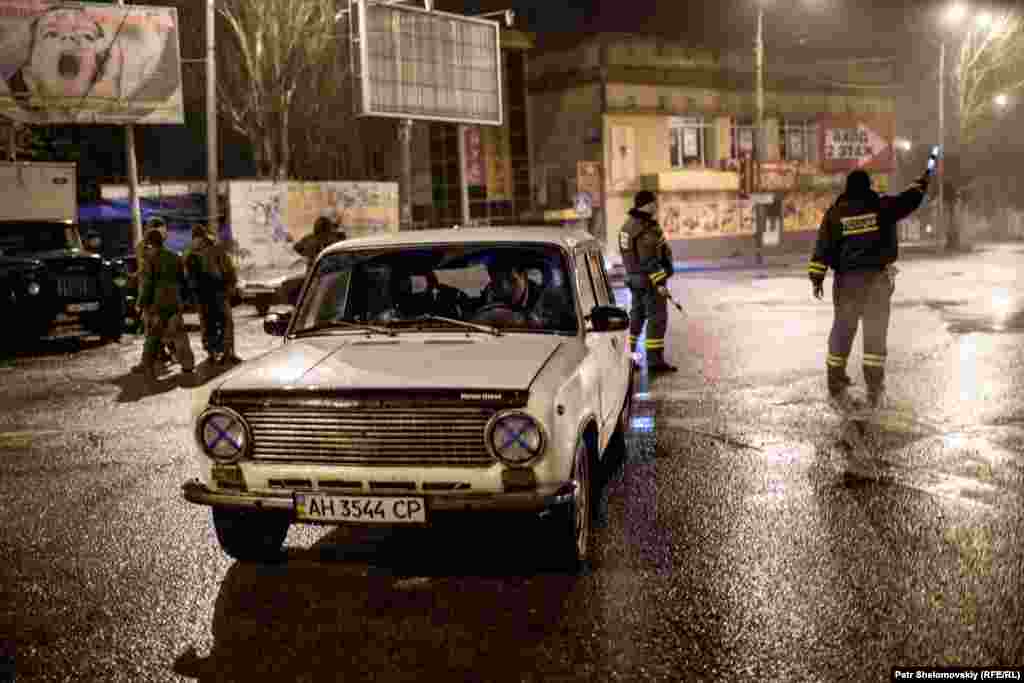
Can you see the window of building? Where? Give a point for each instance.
(688, 141)
(799, 140)
(744, 138)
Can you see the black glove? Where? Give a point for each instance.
(818, 286)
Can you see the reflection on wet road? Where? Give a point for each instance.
(752, 532)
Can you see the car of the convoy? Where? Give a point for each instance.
(416, 380)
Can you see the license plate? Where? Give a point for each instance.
(360, 509)
(79, 308)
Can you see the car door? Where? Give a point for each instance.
(615, 373)
(599, 344)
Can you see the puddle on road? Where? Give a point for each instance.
(989, 323)
(934, 304)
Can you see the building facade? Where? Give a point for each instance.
(497, 162)
(617, 113)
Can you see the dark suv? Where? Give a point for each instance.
(75, 292)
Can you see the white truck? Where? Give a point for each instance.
(73, 291)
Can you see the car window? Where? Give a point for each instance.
(521, 286)
(600, 279)
(586, 287)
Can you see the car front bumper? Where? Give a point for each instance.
(536, 501)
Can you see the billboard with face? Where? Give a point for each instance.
(74, 62)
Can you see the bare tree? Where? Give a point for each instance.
(273, 48)
(990, 63)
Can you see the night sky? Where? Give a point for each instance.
(799, 29)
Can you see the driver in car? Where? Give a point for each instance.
(510, 286)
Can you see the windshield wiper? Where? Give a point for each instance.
(344, 324)
(490, 329)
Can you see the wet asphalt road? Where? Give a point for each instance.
(751, 534)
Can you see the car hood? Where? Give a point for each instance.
(62, 254)
(409, 361)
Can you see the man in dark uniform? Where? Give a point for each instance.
(648, 262)
(858, 240)
(325, 233)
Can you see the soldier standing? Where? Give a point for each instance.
(858, 240)
(648, 262)
(213, 277)
(160, 301)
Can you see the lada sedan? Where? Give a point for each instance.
(424, 373)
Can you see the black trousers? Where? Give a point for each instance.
(860, 295)
(648, 307)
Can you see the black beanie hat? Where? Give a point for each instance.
(858, 182)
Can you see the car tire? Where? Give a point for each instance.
(572, 524)
(250, 536)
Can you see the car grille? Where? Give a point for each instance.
(439, 436)
(77, 287)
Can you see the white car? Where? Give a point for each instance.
(423, 373)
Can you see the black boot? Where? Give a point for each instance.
(874, 377)
(838, 381)
(657, 364)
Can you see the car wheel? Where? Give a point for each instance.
(574, 522)
(250, 536)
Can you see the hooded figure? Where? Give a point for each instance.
(648, 262)
(857, 239)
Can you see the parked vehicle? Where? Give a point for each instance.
(80, 293)
(413, 381)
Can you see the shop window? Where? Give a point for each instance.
(799, 140)
(744, 139)
(688, 142)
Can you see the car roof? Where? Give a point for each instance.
(494, 234)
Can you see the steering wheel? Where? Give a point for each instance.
(506, 315)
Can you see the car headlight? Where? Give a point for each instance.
(34, 288)
(222, 434)
(514, 437)
(120, 281)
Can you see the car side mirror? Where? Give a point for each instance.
(609, 318)
(276, 324)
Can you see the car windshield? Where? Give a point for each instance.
(19, 238)
(504, 287)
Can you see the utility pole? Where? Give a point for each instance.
(405, 184)
(759, 136)
(133, 177)
(463, 178)
(212, 206)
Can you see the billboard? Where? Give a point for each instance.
(419, 64)
(76, 62)
(853, 141)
